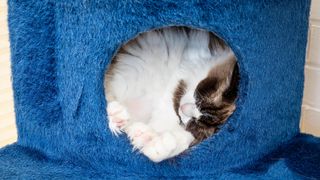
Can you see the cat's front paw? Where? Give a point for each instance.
(118, 117)
(167, 145)
(140, 134)
(158, 146)
(161, 147)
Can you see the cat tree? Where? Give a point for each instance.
(61, 49)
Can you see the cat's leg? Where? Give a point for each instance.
(162, 137)
(129, 115)
(140, 134)
(118, 117)
(158, 146)
(172, 138)
(167, 144)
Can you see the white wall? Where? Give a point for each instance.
(8, 133)
(311, 101)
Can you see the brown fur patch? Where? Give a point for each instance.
(177, 95)
(215, 98)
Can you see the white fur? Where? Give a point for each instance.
(143, 84)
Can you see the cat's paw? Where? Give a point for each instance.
(118, 117)
(140, 134)
(161, 147)
(167, 145)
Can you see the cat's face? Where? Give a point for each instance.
(203, 108)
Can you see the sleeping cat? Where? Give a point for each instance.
(169, 89)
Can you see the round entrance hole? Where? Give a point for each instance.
(171, 88)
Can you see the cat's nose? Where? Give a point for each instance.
(188, 109)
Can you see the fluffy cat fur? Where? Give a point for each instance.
(169, 89)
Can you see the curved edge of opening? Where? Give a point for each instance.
(231, 122)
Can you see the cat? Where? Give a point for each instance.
(169, 89)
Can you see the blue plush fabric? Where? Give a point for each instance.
(298, 159)
(61, 49)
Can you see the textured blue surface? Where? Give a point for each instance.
(61, 49)
(298, 159)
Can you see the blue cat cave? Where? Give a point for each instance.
(60, 51)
